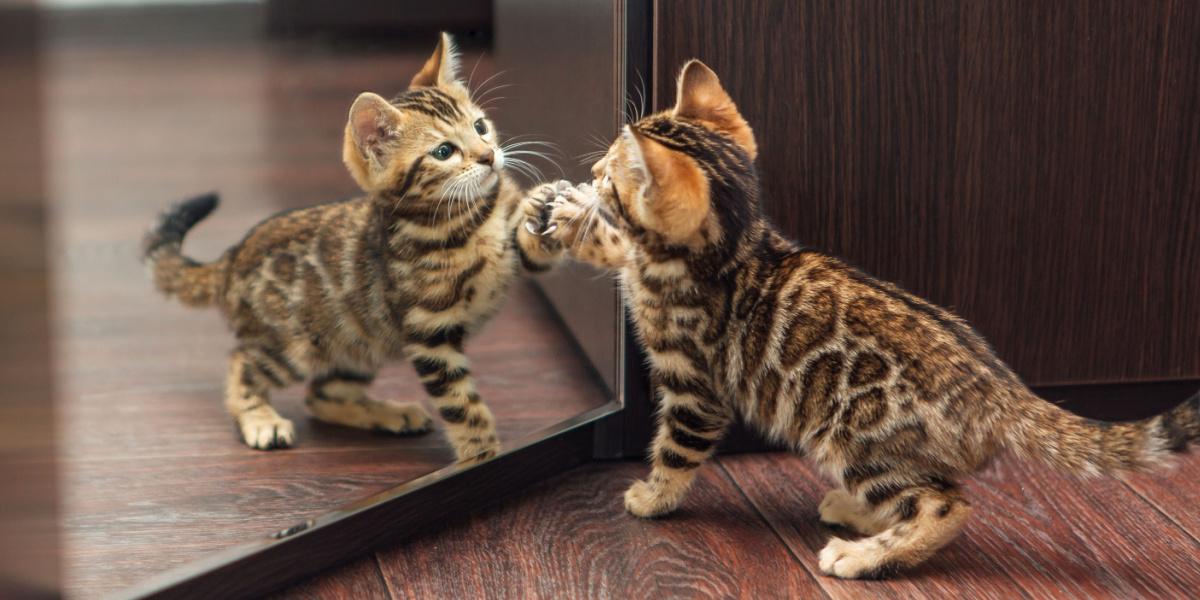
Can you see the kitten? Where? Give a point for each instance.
(895, 398)
(328, 293)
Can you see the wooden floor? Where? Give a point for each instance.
(749, 529)
(154, 474)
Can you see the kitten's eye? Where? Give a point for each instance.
(481, 127)
(444, 151)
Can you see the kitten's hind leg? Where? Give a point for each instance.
(251, 376)
(340, 397)
(840, 508)
(924, 519)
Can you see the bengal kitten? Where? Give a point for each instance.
(895, 398)
(328, 293)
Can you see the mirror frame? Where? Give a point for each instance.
(618, 429)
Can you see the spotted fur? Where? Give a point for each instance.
(327, 294)
(897, 399)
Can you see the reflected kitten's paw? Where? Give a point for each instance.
(642, 500)
(401, 418)
(537, 206)
(266, 430)
(477, 450)
(571, 211)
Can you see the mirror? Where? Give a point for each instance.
(145, 105)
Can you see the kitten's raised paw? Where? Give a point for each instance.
(642, 500)
(401, 418)
(266, 430)
(853, 560)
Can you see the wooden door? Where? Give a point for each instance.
(1035, 166)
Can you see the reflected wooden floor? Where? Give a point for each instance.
(154, 474)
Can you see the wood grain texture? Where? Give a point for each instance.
(1034, 166)
(358, 580)
(1176, 496)
(569, 537)
(1032, 534)
(154, 474)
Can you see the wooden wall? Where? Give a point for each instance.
(1033, 165)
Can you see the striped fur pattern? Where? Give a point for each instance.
(327, 294)
(897, 399)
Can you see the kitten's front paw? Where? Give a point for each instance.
(266, 430)
(571, 212)
(477, 449)
(537, 206)
(401, 418)
(852, 560)
(642, 500)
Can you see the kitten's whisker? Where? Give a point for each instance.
(472, 75)
(484, 83)
(640, 88)
(527, 164)
(488, 97)
(523, 143)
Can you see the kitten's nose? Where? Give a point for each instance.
(488, 157)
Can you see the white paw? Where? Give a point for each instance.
(642, 500)
(264, 430)
(849, 560)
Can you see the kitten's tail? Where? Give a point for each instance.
(1086, 446)
(174, 274)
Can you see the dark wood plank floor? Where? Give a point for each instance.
(750, 530)
(154, 474)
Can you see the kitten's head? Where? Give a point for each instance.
(429, 141)
(685, 175)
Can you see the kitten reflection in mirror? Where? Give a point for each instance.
(897, 399)
(326, 294)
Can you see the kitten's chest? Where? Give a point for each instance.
(671, 310)
(463, 284)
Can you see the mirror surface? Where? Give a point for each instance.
(147, 106)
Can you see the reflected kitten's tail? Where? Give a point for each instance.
(174, 274)
(1090, 447)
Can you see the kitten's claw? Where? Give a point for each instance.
(532, 228)
(551, 228)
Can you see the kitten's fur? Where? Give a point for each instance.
(328, 293)
(895, 398)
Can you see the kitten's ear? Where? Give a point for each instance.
(700, 97)
(676, 197)
(373, 124)
(442, 68)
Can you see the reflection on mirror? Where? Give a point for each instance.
(336, 334)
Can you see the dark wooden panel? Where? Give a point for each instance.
(1035, 166)
(570, 537)
(29, 550)
(1032, 533)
